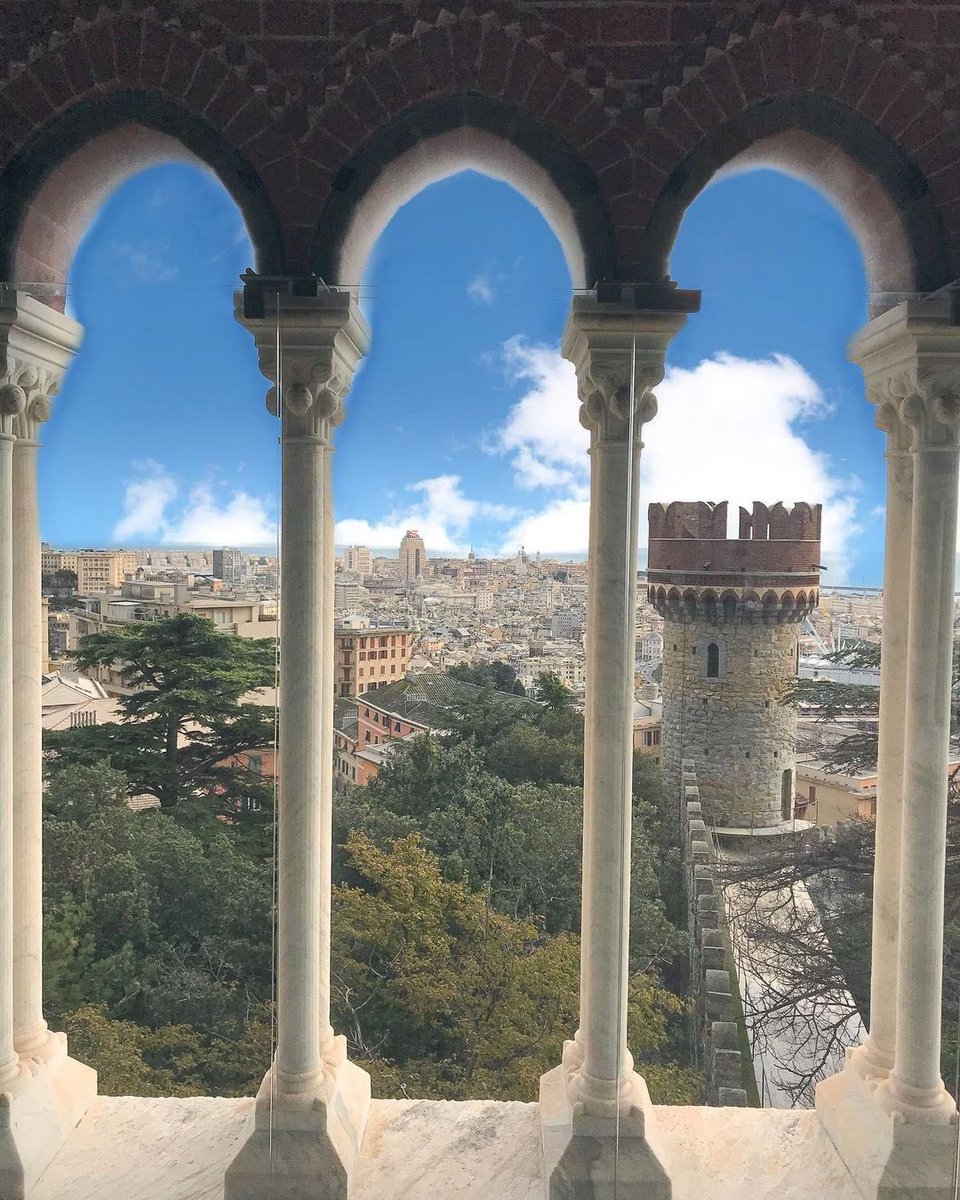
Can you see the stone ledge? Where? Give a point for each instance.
(435, 1150)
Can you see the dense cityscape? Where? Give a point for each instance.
(407, 617)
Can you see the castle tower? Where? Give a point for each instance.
(731, 609)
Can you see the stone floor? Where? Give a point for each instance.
(136, 1149)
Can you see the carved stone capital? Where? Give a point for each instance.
(911, 361)
(899, 434)
(601, 339)
(37, 344)
(932, 409)
(321, 339)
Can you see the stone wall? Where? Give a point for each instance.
(715, 1035)
(735, 726)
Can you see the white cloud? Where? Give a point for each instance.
(728, 429)
(145, 502)
(442, 514)
(480, 289)
(542, 432)
(149, 513)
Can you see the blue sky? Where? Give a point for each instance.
(463, 419)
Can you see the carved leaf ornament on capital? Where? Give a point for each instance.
(313, 401)
(919, 409)
(26, 396)
(605, 399)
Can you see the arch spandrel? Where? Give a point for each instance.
(818, 102)
(440, 137)
(53, 189)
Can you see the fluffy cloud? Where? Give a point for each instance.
(728, 429)
(542, 433)
(150, 513)
(442, 514)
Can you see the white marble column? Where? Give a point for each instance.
(39, 343)
(51, 1091)
(327, 1038)
(301, 851)
(10, 401)
(875, 1057)
(31, 1032)
(311, 1110)
(889, 1115)
(595, 1093)
(915, 1088)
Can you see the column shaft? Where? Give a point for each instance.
(301, 887)
(879, 1048)
(30, 1029)
(326, 765)
(589, 772)
(915, 1077)
(8, 1056)
(607, 794)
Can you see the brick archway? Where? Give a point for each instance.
(818, 102)
(437, 138)
(112, 97)
(492, 70)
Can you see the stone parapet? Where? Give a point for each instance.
(770, 572)
(715, 1034)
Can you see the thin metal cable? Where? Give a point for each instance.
(276, 765)
(626, 808)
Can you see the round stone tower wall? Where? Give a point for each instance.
(732, 609)
(733, 724)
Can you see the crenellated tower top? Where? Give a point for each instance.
(771, 571)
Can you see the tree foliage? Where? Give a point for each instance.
(182, 715)
(552, 692)
(444, 995)
(455, 955)
(499, 676)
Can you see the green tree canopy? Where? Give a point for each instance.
(553, 692)
(497, 675)
(442, 995)
(182, 717)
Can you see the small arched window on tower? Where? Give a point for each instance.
(713, 661)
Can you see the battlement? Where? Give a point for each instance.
(704, 519)
(773, 566)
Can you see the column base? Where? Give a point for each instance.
(38, 1112)
(584, 1156)
(888, 1157)
(303, 1147)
